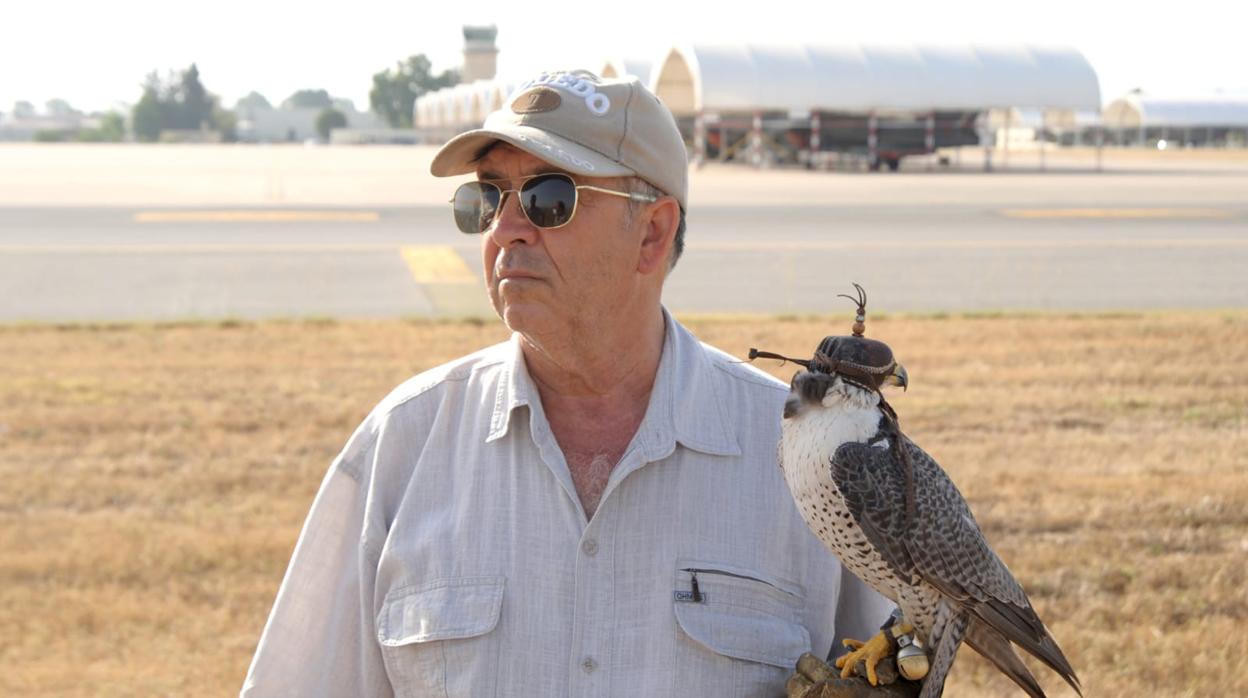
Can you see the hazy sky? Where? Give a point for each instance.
(95, 54)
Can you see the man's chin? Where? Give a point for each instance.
(522, 315)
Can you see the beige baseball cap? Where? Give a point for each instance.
(586, 125)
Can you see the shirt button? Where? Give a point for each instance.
(590, 547)
(588, 665)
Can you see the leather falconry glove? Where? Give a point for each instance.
(813, 678)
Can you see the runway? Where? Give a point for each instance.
(202, 262)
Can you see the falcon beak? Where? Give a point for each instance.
(897, 377)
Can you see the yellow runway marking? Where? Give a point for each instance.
(437, 264)
(1123, 213)
(256, 217)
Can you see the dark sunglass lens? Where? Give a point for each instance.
(548, 200)
(474, 206)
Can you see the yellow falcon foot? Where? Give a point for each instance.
(870, 652)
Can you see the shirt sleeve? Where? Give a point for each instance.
(860, 611)
(320, 639)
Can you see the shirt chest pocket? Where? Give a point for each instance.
(743, 633)
(437, 638)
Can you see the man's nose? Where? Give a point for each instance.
(510, 226)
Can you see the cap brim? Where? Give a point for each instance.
(460, 154)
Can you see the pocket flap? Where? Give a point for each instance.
(743, 619)
(445, 609)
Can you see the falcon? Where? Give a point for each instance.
(896, 520)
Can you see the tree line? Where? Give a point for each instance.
(179, 103)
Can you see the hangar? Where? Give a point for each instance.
(842, 105)
(619, 67)
(442, 114)
(801, 103)
(1137, 119)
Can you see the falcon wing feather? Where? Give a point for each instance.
(872, 483)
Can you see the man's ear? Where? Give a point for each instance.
(659, 221)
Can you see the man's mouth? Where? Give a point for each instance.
(516, 278)
(504, 271)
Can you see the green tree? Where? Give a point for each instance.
(52, 135)
(112, 129)
(308, 99)
(59, 107)
(149, 114)
(395, 91)
(194, 104)
(180, 102)
(225, 121)
(328, 120)
(253, 100)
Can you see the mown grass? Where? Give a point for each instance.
(156, 476)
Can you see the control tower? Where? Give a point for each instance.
(480, 54)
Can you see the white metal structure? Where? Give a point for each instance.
(806, 103)
(451, 110)
(1155, 121)
(620, 67)
(860, 78)
(1135, 111)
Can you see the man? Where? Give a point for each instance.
(593, 508)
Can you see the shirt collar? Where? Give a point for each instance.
(685, 405)
(515, 389)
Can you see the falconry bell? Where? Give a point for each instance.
(911, 659)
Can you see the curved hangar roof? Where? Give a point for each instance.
(858, 78)
(1214, 112)
(619, 67)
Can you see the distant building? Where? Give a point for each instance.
(822, 104)
(23, 123)
(1138, 119)
(620, 67)
(260, 124)
(441, 114)
(189, 135)
(480, 54)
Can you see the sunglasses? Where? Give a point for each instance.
(548, 201)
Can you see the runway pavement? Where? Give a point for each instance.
(131, 232)
(106, 264)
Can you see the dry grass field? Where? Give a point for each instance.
(155, 478)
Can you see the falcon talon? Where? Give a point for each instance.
(869, 653)
(897, 522)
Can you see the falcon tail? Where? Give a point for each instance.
(998, 624)
(996, 649)
(944, 653)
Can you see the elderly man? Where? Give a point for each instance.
(591, 509)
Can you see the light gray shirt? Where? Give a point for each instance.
(447, 552)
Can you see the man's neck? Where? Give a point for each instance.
(613, 366)
(595, 395)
